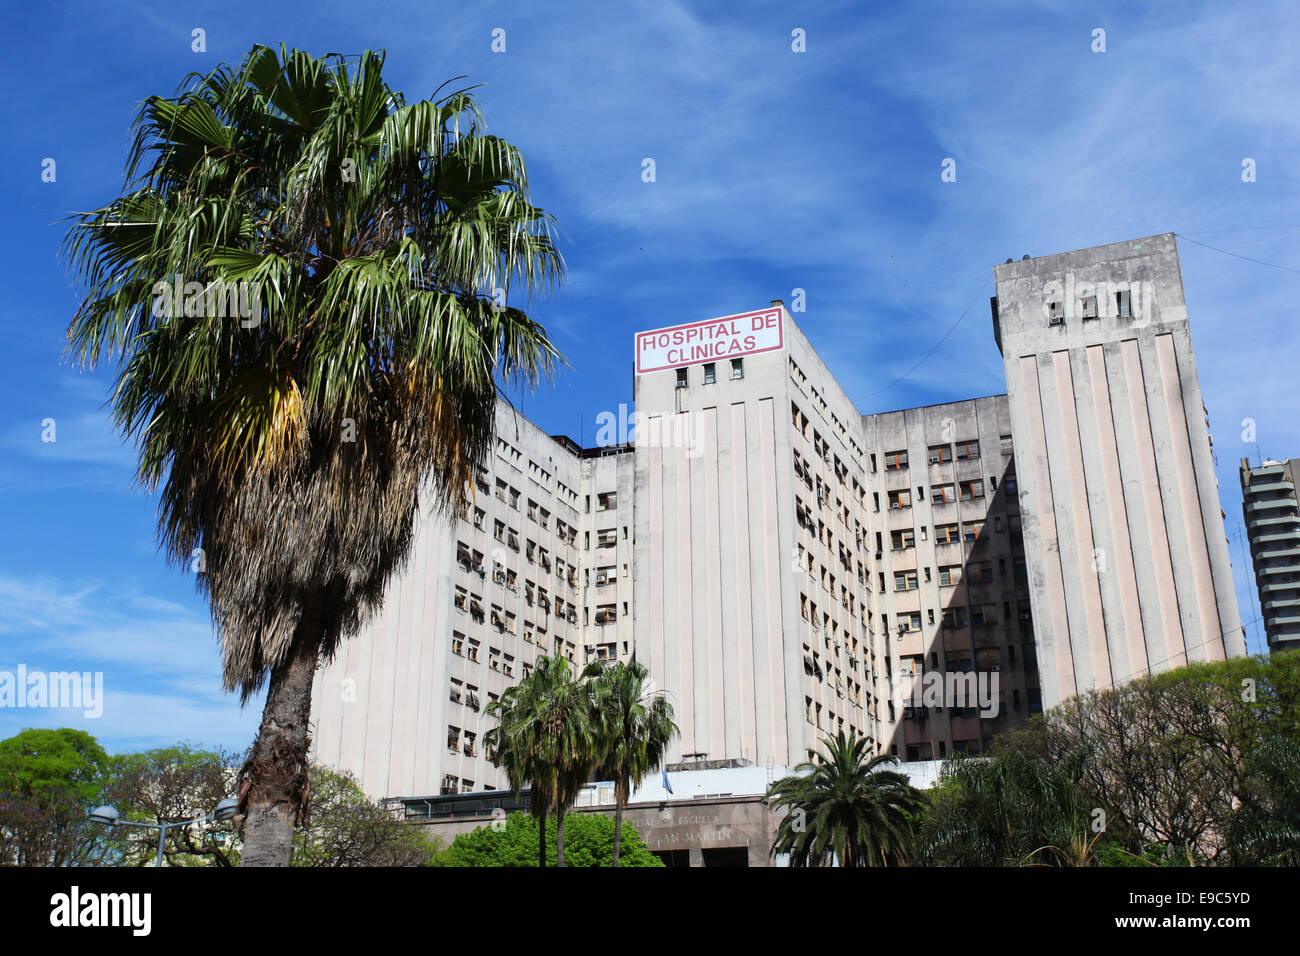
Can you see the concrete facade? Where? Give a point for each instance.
(1124, 537)
(952, 573)
(752, 599)
(1273, 527)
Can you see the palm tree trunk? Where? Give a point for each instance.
(618, 829)
(541, 840)
(559, 836)
(273, 787)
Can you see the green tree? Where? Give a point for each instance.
(1001, 811)
(1265, 829)
(347, 828)
(845, 806)
(49, 780)
(589, 841)
(545, 739)
(633, 728)
(167, 785)
(371, 245)
(1171, 757)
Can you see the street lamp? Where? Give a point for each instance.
(109, 817)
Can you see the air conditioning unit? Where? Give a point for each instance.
(681, 384)
(935, 460)
(1056, 320)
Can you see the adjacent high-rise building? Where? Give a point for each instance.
(1124, 539)
(788, 568)
(1273, 527)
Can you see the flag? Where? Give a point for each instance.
(667, 786)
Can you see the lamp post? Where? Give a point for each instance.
(111, 818)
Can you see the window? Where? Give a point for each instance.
(453, 738)
(1006, 444)
(607, 538)
(1056, 313)
(1088, 307)
(606, 614)
(895, 460)
(970, 490)
(710, 373)
(1010, 486)
(900, 499)
(972, 530)
(982, 614)
(968, 450)
(950, 575)
(681, 378)
(458, 643)
(942, 494)
(737, 369)
(904, 580)
(909, 622)
(980, 572)
(955, 617)
(606, 500)
(939, 454)
(901, 540)
(1122, 301)
(479, 515)
(946, 534)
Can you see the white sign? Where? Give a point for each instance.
(728, 337)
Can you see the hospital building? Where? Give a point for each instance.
(788, 566)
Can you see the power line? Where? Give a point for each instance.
(1271, 265)
(927, 355)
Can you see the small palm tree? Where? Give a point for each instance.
(545, 739)
(634, 727)
(302, 286)
(846, 806)
(1004, 810)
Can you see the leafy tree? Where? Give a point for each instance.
(1169, 757)
(589, 841)
(845, 807)
(545, 738)
(634, 727)
(49, 780)
(347, 829)
(372, 244)
(167, 785)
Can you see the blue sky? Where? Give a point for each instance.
(776, 170)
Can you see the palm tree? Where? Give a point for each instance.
(1003, 811)
(545, 739)
(1265, 830)
(633, 729)
(846, 806)
(370, 241)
